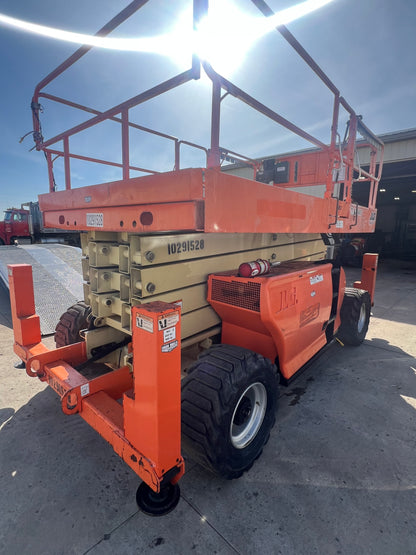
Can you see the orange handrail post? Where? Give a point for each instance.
(26, 323)
(152, 413)
(368, 275)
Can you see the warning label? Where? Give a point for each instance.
(168, 321)
(144, 323)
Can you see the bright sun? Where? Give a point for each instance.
(223, 38)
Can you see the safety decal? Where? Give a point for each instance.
(316, 279)
(144, 323)
(169, 347)
(169, 335)
(168, 321)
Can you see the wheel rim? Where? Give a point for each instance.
(248, 415)
(362, 318)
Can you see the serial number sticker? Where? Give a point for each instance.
(316, 279)
(186, 246)
(169, 335)
(85, 389)
(168, 321)
(340, 224)
(95, 219)
(169, 347)
(144, 323)
(372, 216)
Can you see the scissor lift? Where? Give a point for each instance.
(149, 244)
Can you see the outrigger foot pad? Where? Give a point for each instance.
(157, 504)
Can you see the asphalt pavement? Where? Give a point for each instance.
(338, 475)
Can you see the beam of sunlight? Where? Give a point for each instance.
(223, 38)
(148, 44)
(409, 400)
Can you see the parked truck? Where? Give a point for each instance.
(203, 290)
(25, 225)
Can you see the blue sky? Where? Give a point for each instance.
(366, 47)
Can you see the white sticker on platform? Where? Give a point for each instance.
(169, 335)
(85, 389)
(340, 224)
(95, 219)
(316, 279)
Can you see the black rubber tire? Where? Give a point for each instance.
(71, 323)
(355, 316)
(157, 504)
(210, 395)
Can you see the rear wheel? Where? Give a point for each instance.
(229, 402)
(75, 319)
(355, 316)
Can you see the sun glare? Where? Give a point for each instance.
(223, 38)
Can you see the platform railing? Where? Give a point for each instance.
(340, 156)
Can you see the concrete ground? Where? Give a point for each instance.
(338, 475)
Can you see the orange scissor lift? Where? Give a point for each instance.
(273, 320)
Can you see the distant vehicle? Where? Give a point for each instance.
(25, 225)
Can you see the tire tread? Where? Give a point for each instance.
(71, 323)
(206, 398)
(350, 313)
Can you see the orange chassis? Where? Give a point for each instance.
(137, 408)
(145, 429)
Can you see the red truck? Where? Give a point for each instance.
(25, 225)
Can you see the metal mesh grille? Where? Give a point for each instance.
(237, 293)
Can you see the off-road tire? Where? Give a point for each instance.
(355, 316)
(212, 396)
(71, 323)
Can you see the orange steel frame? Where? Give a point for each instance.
(145, 429)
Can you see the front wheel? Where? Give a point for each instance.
(229, 402)
(355, 316)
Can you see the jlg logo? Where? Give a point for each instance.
(288, 299)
